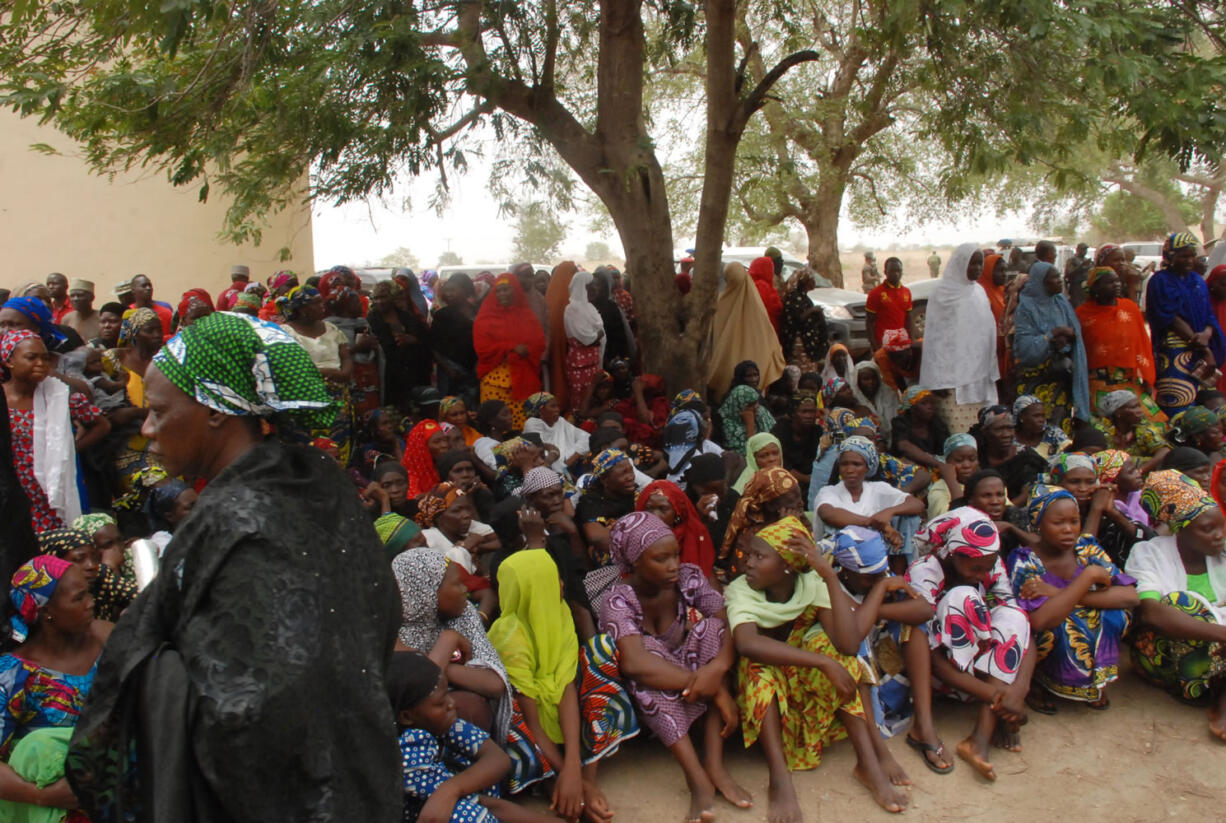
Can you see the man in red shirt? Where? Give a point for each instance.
(889, 305)
(240, 275)
(57, 285)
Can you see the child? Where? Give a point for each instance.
(108, 394)
(451, 768)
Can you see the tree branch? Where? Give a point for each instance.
(757, 97)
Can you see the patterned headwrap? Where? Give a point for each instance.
(1110, 462)
(10, 340)
(833, 386)
(1178, 241)
(91, 524)
(957, 441)
(293, 300)
(991, 415)
(1111, 402)
(236, 364)
(536, 402)
(841, 424)
(37, 311)
(133, 321)
(895, 340)
(395, 532)
(450, 402)
(281, 279)
(249, 300)
(60, 542)
(777, 535)
(538, 479)
(604, 462)
(33, 584)
(505, 450)
(1103, 252)
(864, 447)
(1191, 423)
(1095, 273)
(765, 486)
(334, 286)
(1023, 402)
(913, 395)
(684, 397)
(1063, 463)
(634, 534)
(964, 531)
(200, 295)
(430, 506)
(860, 550)
(1042, 496)
(1173, 498)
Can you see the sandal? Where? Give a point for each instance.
(926, 749)
(1100, 705)
(1040, 702)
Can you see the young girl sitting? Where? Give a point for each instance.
(451, 767)
(800, 683)
(674, 668)
(1078, 601)
(979, 636)
(448, 521)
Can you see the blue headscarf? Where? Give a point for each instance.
(1041, 498)
(864, 447)
(416, 297)
(1037, 314)
(37, 311)
(860, 550)
(681, 438)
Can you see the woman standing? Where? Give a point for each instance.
(1187, 339)
(344, 310)
(742, 331)
(1119, 354)
(585, 340)
(328, 347)
(804, 335)
(451, 340)
(272, 516)
(619, 340)
(557, 297)
(1050, 351)
(404, 339)
(140, 337)
(510, 344)
(762, 272)
(960, 340)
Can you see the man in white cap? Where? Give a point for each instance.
(239, 277)
(83, 318)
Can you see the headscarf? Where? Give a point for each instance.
(776, 535)
(1113, 401)
(410, 678)
(93, 523)
(690, 530)
(739, 399)
(60, 542)
(281, 279)
(1038, 313)
(1065, 462)
(1042, 495)
(440, 498)
(9, 341)
(417, 461)
(581, 318)
(161, 500)
(756, 444)
(990, 415)
(1185, 459)
(604, 462)
(133, 321)
(745, 605)
(864, 447)
(1095, 273)
(1110, 462)
(249, 300)
(1177, 242)
(37, 311)
(767, 485)
(1215, 480)
(831, 388)
(634, 534)
(1169, 296)
(742, 330)
(681, 439)
(535, 636)
(860, 550)
(913, 395)
(683, 398)
(557, 297)
(885, 405)
(1191, 423)
(186, 299)
(704, 468)
(1023, 402)
(32, 586)
(1173, 498)
(895, 340)
(958, 441)
(534, 404)
(290, 303)
(762, 272)
(497, 330)
(963, 531)
(960, 335)
(236, 364)
(538, 479)
(395, 532)
(1103, 252)
(828, 372)
(995, 293)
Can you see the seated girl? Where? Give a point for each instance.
(43, 686)
(427, 442)
(985, 491)
(1031, 429)
(918, 433)
(669, 503)
(1191, 462)
(545, 418)
(454, 410)
(799, 436)
(1197, 428)
(872, 504)
(959, 460)
(1179, 642)
(438, 621)
(382, 441)
(1123, 520)
(772, 495)
(104, 531)
(800, 685)
(686, 437)
(570, 711)
(763, 451)
(609, 496)
(891, 615)
(706, 487)
(675, 668)
(448, 521)
(1079, 604)
(112, 592)
(462, 468)
(979, 636)
(514, 457)
(495, 422)
(389, 491)
(451, 768)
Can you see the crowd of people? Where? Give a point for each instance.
(428, 547)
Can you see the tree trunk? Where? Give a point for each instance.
(820, 217)
(1208, 205)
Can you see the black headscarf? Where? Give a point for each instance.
(410, 678)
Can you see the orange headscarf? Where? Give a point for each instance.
(1116, 336)
(996, 294)
(556, 298)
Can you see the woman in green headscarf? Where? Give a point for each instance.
(558, 730)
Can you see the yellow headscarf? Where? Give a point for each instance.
(535, 636)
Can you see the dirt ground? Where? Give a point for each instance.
(1146, 758)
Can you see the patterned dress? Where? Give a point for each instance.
(1081, 656)
(1148, 440)
(1190, 669)
(21, 423)
(429, 762)
(688, 643)
(37, 698)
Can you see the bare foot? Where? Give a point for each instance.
(1217, 723)
(970, 752)
(729, 788)
(1007, 737)
(782, 805)
(701, 808)
(887, 796)
(892, 768)
(595, 804)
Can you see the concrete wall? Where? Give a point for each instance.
(56, 216)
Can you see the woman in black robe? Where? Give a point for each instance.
(404, 337)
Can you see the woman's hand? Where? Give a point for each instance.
(894, 583)
(844, 684)
(532, 526)
(59, 795)
(567, 798)
(1103, 498)
(892, 537)
(1098, 575)
(439, 807)
(449, 643)
(704, 685)
(1036, 588)
(725, 704)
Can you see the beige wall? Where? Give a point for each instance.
(56, 216)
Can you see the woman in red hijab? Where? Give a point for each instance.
(762, 272)
(666, 501)
(510, 344)
(194, 304)
(426, 442)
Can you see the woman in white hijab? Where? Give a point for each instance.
(960, 340)
(872, 392)
(584, 339)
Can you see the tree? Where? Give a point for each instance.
(450, 258)
(401, 258)
(598, 250)
(538, 234)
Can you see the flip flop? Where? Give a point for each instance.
(1041, 708)
(925, 749)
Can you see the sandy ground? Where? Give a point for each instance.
(1146, 758)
